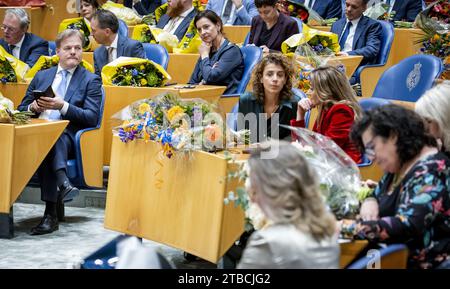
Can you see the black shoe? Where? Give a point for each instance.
(47, 225)
(68, 192)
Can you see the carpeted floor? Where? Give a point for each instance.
(79, 236)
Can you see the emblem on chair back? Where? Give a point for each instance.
(413, 78)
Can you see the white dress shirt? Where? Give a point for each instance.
(114, 45)
(173, 23)
(351, 35)
(58, 77)
(16, 51)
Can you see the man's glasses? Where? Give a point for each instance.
(9, 28)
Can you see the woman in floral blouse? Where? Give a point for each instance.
(411, 203)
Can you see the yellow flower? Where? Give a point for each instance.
(142, 67)
(143, 81)
(174, 111)
(144, 107)
(291, 8)
(324, 43)
(436, 37)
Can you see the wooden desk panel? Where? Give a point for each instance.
(14, 91)
(23, 149)
(236, 33)
(181, 66)
(177, 201)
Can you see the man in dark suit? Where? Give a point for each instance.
(177, 18)
(327, 9)
(77, 98)
(105, 26)
(144, 7)
(24, 46)
(234, 12)
(358, 34)
(405, 10)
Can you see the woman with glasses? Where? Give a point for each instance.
(434, 107)
(411, 203)
(337, 108)
(301, 233)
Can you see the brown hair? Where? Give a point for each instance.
(332, 87)
(277, 59)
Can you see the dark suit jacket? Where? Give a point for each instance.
(336, 123)
(84, 95)
(327, 9)
(144, 7)
(125, 47)
(32, 47)
(182, 28)
(406, 10)
(229, 69)
(283, 29)
(367, 38)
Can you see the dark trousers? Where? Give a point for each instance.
(55, 160)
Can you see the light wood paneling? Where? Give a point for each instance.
(236, 33)
(177, 201)
(23, 149)
(350, 250)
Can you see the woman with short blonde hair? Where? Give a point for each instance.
(434, 107)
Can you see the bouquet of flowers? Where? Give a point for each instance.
(191, 41)
(322, 42)
(130, 71)
(46, 62)
(177, 124)
(146, 34)
(9, 115)
(80, 25)
(308, 16)
(379, 11)
(11, 68)
(124, 13)
(435, 23)
(161, 10)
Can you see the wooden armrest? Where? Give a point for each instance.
(91, 144)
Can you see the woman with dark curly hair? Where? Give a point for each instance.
(411, 203)
(337, 107)
(272, 102)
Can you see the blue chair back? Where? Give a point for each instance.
(123, 28)
(51, 48)
(157, 53)
(386, 41)
(252, 55)
(247, 39)
(299, 23)
(75, 166)
(394, 256)
(409, 79)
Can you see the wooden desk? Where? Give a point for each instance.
(118, 97)
(23, 147)
(350, 250)
(403, 45)
(36, 15)
(178, 202)
(236, 33)
(14, 91)
(181, 66)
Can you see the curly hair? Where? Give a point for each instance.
(291, 189)
(394, 120)
(277, 59)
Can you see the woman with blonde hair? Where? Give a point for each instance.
(337, 107)
(272, 95)
(302, 233)
(434, 107)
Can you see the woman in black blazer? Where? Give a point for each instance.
(270, 28)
